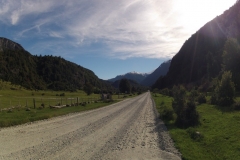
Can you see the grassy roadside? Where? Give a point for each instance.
(21, 116)
(219, 130)
(17, 106)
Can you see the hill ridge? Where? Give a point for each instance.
(200, 57)
(44, 72)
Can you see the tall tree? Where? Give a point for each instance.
(125, 86)
(225, 91)
(88, 88)
(231, 59)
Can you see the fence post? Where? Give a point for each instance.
(34, 104)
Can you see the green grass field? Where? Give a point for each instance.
(220, 130)
(17, 104)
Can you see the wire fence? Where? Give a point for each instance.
(17, 103)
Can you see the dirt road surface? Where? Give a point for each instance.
(124, 130)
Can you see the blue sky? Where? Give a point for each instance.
(109, 37)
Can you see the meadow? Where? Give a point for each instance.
(18, 105)
(217, 135)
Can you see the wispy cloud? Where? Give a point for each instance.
(124, 28)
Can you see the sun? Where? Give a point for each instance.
(194, 14)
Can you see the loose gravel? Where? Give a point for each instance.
(126, 130)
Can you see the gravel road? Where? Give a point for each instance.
(124, 130)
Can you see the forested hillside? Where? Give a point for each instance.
(201, 57)
(43, 72)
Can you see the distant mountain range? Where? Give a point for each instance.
(145, 79)
(160, 71)
(138, 77)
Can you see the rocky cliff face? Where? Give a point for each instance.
(6, 44)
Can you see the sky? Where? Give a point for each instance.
(109, 37)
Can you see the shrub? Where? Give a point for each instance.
(166, 113)
(9, 111)
(185, 108)
(214, 98)
(201, 99)
(194, 93)
(224, 92)
(165, 92)
(237, 106)
(195, 135)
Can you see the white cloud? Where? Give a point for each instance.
(128, 28)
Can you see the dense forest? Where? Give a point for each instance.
(44, 72)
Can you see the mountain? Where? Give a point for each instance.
(138, 77)
(6, 44)
(160, 71)
(136, 87)
(43, 72)
(200, 57)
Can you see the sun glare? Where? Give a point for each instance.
(194, 14)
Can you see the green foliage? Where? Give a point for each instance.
(237, 106)
(216, 138)
(201, 98)
(185, 108)
(166, 113)
(125, 86)
(194, 134)
(88, 89)
(166, 92)
(231, 59)
(224, 92)
(179, 99)
(62, 94)
(155, 90)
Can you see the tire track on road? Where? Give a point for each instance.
(125, 130)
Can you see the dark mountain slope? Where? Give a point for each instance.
(17, 65)
(201, 55)
(160, 71)
(138, 77)
(135, 86)
(43, 72)
(6, 44)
